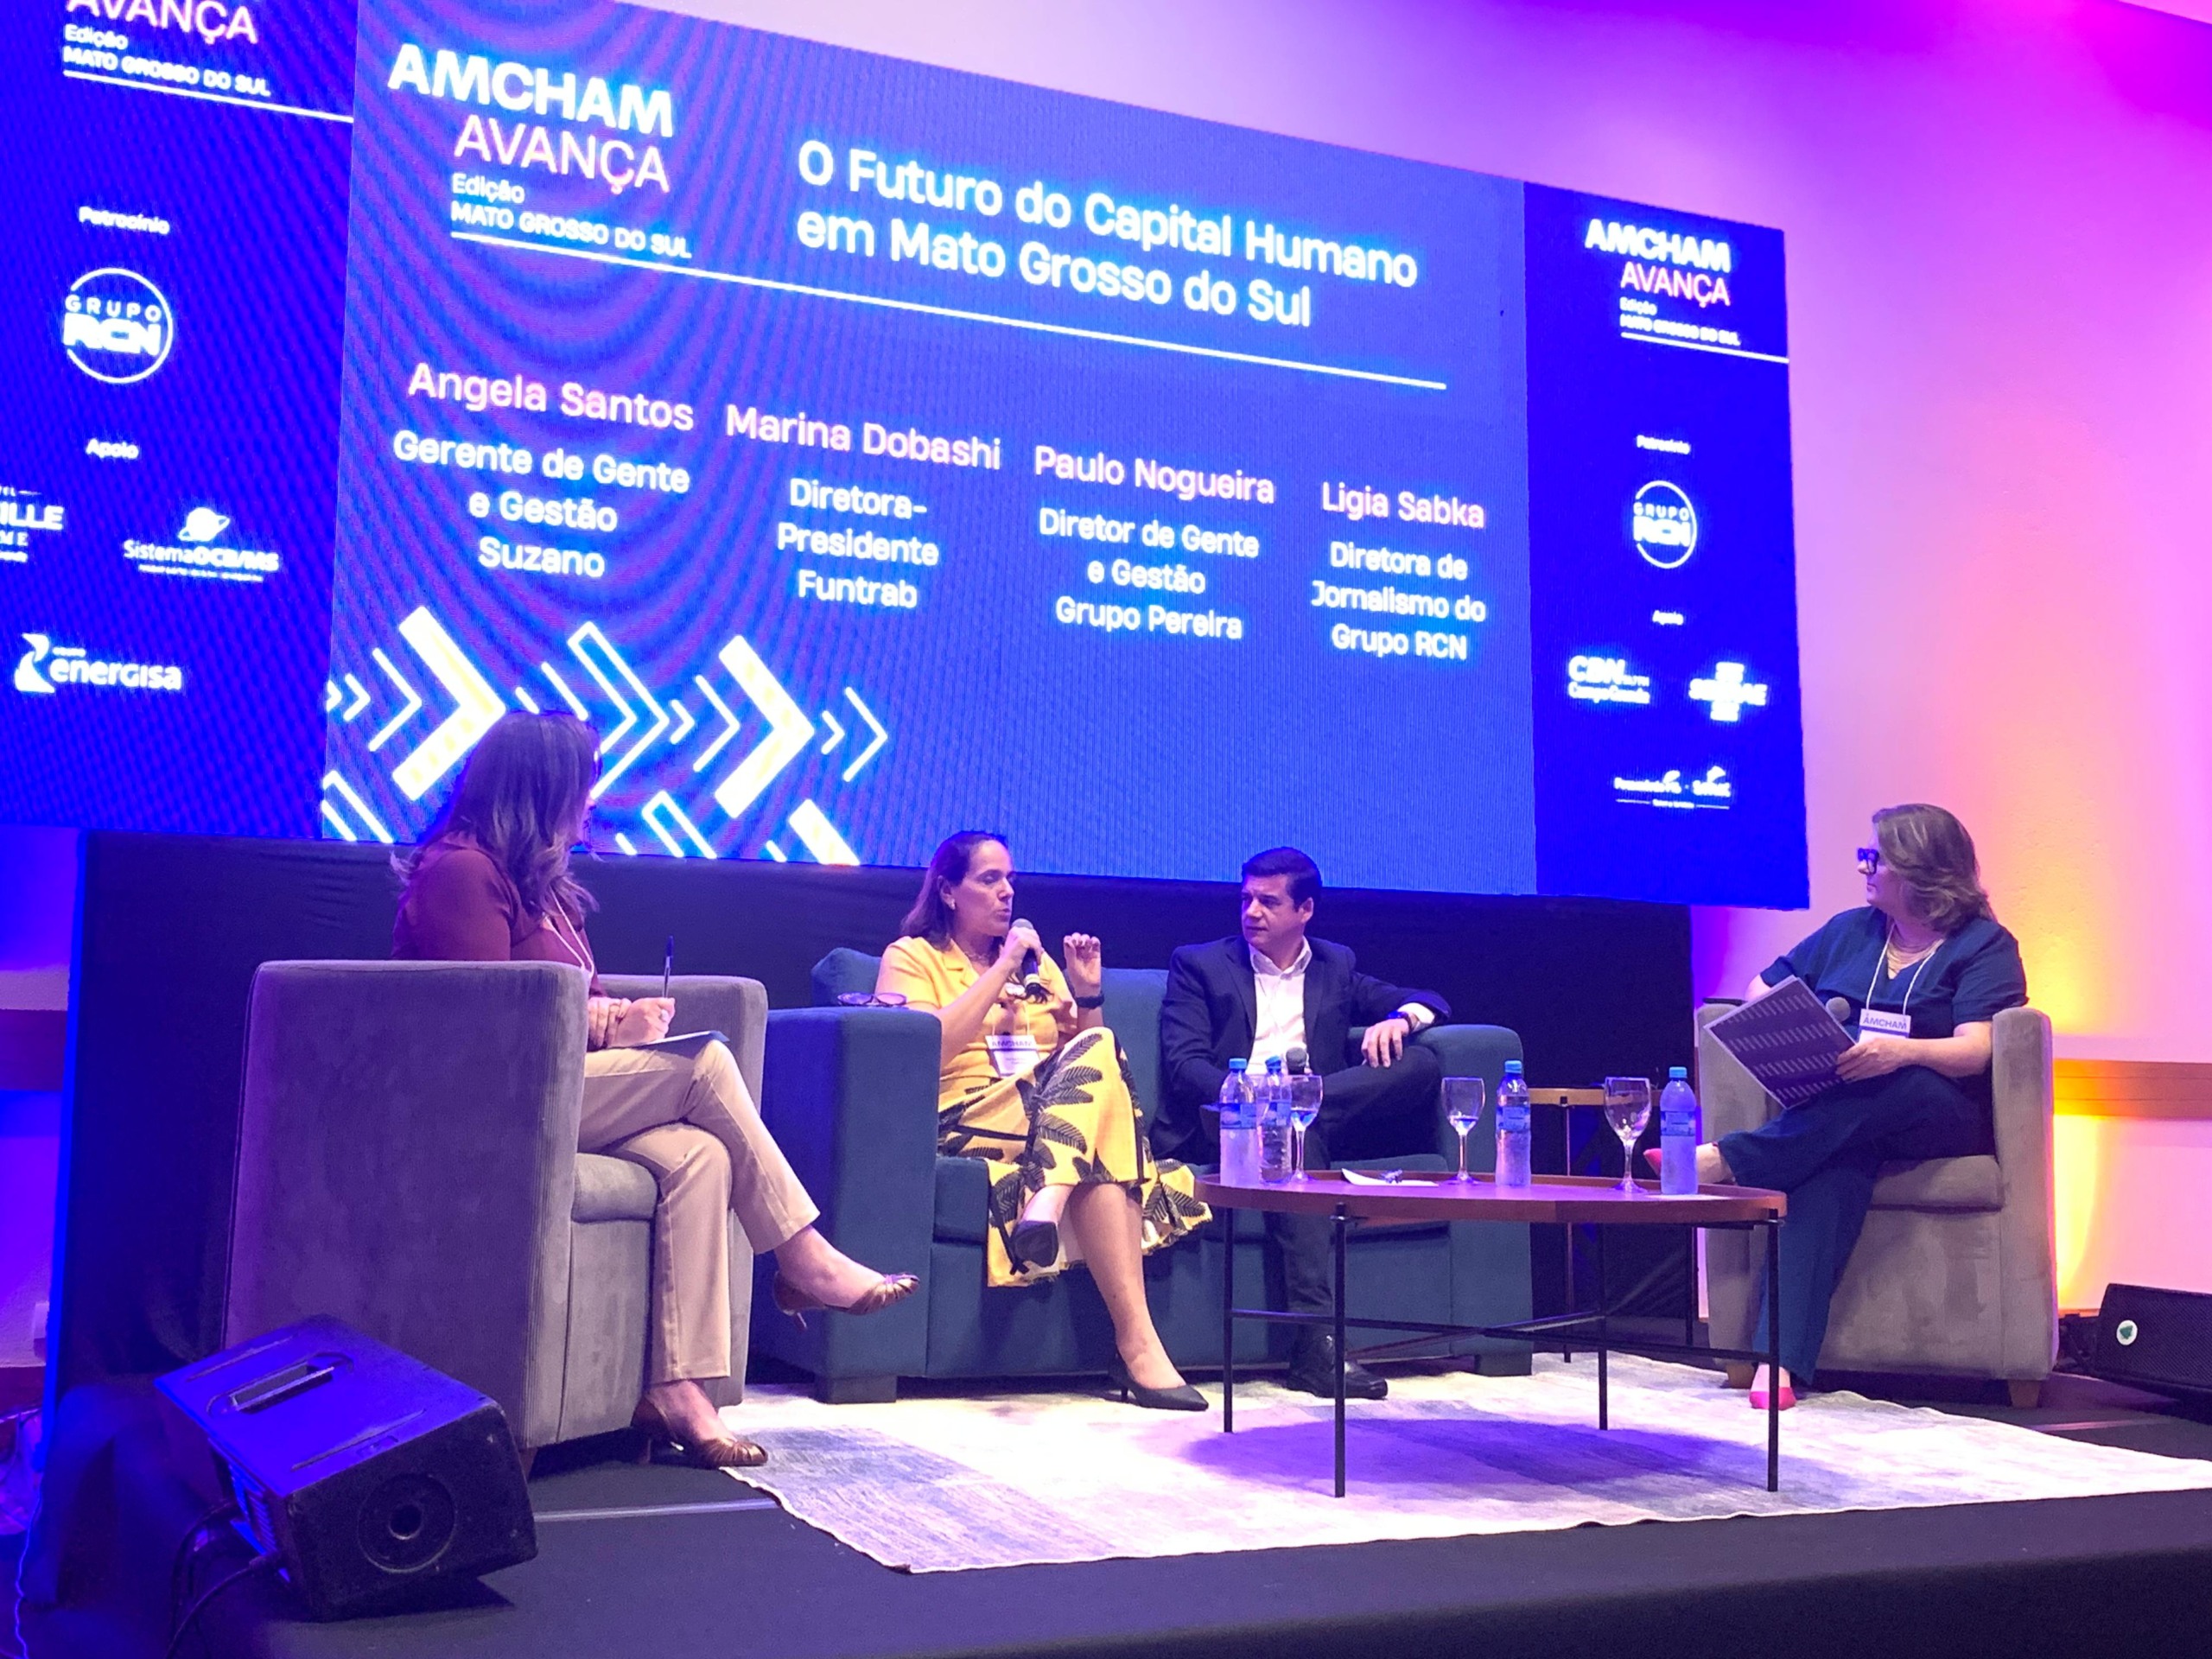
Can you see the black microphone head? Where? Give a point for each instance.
(1294, 1060)
(1032, 982)
(1840, 1010)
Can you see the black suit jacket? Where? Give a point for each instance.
(1211, 1010)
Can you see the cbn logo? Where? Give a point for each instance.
(46, 667)
(116, 326)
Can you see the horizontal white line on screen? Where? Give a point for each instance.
(1699, 345)
(948, 311)
(212, 98)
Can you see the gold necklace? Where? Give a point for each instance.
(1899, 958)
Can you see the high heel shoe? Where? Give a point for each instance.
(1759, 1397)
(729, 1451)
(888, 1289)
(1033, 1244)
(1133, 1392)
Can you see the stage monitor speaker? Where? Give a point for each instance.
(2155, 1340)
(362, 1473)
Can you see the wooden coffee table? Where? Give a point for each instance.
(1587, 1200)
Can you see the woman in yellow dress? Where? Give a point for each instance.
(1035, 1085)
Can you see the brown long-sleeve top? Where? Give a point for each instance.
(460, 906)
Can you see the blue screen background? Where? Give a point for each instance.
(320, 323)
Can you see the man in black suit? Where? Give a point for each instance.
(1260, 994)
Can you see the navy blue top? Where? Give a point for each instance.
(1972, 975)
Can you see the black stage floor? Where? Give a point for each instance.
(672, 1561)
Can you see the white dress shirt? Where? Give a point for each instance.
(1280, 1020)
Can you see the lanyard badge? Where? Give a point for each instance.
(1887, 1022)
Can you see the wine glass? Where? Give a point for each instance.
(1628, 1109)
(1463, 1110)
(1304, 1107)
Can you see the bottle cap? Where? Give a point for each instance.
(1513, 1068)
(1678, 1074)
(1274, 1063)
(1237, 1065)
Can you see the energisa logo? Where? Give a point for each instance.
(116, 326)
(46, 667)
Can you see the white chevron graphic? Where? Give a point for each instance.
(665, 804)
(729, 724)
(576, 706)
(876, 743)
(684, 731)
(333, 780)
(589, 633)
(361, 700)
(837, 732)
(789, 730)
(819, 836)
(409, 702)
(476, 705)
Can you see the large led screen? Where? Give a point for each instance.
(869, 451)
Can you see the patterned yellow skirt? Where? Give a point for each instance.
(1069, 1122)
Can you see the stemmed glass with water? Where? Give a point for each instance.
(1628, 1109)
(1304, 1107)
(1463, 1110)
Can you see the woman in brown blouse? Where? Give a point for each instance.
(491, 883)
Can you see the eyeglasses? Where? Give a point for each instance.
(1869, 859)
(870, 999)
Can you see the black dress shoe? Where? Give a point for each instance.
(1033, 1244)
(1186, 1398)
(1314, 1370)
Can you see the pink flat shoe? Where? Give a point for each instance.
(1788, 1398)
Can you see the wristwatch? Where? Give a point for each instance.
(1098, 1001)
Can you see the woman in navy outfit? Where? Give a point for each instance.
(1925, 968)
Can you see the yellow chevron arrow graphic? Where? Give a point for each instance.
(476, 705)
(789, 730)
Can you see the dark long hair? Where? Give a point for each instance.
(948, 867)
(1934, 856)
(521, 797)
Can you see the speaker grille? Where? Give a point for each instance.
(407, 1523)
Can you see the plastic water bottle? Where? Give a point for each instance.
(1240, 1130)
(1273, 1104)
(1681, 1127)
(1513, 1165)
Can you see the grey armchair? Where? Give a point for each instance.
(1953, 1274)
(407, 1162)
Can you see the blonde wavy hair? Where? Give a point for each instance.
(1934, 856)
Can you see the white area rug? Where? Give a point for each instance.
(937, 1485)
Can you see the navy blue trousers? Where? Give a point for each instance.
(1825, 1154)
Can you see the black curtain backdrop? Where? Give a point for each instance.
(171, 929)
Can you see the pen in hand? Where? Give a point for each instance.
(668, 965)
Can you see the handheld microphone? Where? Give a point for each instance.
(1840, 1010)
(1033, 983)
(1294, 1060)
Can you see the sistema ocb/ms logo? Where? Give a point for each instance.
(116, 326)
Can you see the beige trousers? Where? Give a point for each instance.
(692, 1122)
